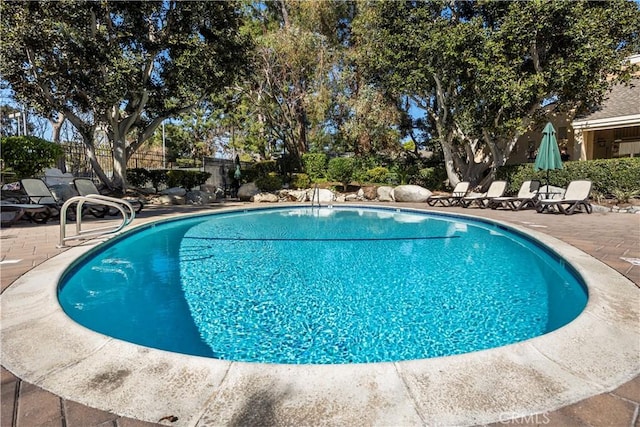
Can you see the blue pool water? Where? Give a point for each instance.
(342, 285)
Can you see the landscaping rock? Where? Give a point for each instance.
(167, 199)
(208, 188)
(247, 191)
(265, 197)
(385, 194)
(324, 195)
(174, 191)
(369, 192)
(294, 195)
(411, 193)
(198, 197)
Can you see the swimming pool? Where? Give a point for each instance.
(344, 285)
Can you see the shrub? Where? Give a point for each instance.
(271, 182)
(137, 177)
(609, 176)
(432, 178)
(265, 168)
(157, 177)
(379, 175)
(300, 180)
(341, 169)
(28, 156)
(288, 163)
(315, 165)
(186, 179)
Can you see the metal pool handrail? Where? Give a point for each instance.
(316, 193)
(95, 199)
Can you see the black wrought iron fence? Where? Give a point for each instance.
(77, 162)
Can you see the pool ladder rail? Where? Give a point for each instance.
(125, 208)
(315, 195)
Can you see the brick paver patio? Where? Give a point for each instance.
(613, 238)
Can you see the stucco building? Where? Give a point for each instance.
(612, 130)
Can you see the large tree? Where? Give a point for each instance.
(122, 67)
(485, 72)
(284, 104)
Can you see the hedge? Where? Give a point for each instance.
(270, 182)
(28, 156)
(609, 176)
(138, 177)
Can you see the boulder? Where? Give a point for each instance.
(174, 191)
(411, 193)
(198, 197)
(323, 194)
(369, 192)
(351, 197)
(294, 195)
(247, 191)
(265, 197)
(167, 199)
(208, 188)
(385, 194)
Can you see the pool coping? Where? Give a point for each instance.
(593, 354)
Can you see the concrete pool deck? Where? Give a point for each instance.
(583, 374)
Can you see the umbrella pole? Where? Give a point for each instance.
(547, 179)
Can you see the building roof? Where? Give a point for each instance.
(621, 107)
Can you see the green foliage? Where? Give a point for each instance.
(157, 177)
(150, 60)
(379, 175)
(269, 182)
(138, 177)
(409, 146)
(315, 165)
(482, 71)
(300, 181)
(609, 176)
(265, 168)
(28, 156)
(404, 172)
(623, 196)
(186, 179)
(341, 169)
(432, 178)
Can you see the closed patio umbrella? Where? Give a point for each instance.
(548, 154)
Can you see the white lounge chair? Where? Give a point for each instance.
(496, 189)
(575, 199)
(459, 191)
(527, 196)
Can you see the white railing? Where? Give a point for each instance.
(124, 207)
(315, 195)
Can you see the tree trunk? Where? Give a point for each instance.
(449, 166)
(93, 160)
(56, 126)
(119, 178)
